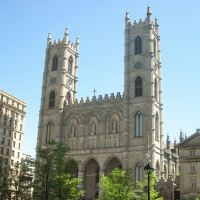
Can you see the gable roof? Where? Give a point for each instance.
(193, 140)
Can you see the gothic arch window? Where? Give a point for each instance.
(155, 88)
(157, 127)
(138, 173)
(55, 63)
(138, 45)
(138, 124)
(97, 175)
(49, 131)
(52, 99)
(138, 86)
(68, 96)
(70, 63)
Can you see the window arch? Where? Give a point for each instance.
(49, 131)
(138, 86)
(157, 127)
(114, 126)
(138, 173)
(55, 63)
(70, 62)
(138, 45)
(155, 88)
(52, 99)
(138, 124)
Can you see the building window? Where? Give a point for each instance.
(193, 182)
(138, 45)
(20, 137)
(4, 120)
(15, 135)
(22, 117)
(7, 152)
(2, 140)
(13, 153)
(1, 159)
(20, 127)
(10, 122)
(138, 86)
(15, 125)
(13, 143)
(52, 99)
(16, 115)
(8, 142)
(192, 167)
(19, 145)
(6, 161)
(12, 162)
(2, 150)
(3, 131)
(55, 63)
(138, 173)
(70, 62)
(18, 154)
(2, 97)
(192, 153)
(49, 131)
(9, 133)
(138, 124)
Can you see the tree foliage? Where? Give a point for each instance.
(52, 180)
(117, 185)
(16, 181)
(142, 189)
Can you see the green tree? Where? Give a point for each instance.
(52, 180)
(4, 188)
(142, 195)
(117, 186)
(16, 181)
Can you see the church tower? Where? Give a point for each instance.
(59, 85)
(142, 86)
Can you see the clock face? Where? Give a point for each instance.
(138, 65)
(53, 80)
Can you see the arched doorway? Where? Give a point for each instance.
(72, 168)
(91, 179)
(112, 164)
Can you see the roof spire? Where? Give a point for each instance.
(77, 44)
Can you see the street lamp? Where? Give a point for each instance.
(148, 170)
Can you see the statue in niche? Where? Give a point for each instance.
(93, 128)
(73, 129)
(114, 127)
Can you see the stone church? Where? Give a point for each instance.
(122, 130)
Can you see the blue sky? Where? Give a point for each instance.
(100, 26)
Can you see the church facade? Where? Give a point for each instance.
(122, 130)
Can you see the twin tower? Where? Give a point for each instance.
(107, 132)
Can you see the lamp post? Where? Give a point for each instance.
(148, 169)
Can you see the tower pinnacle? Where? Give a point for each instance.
(149, 14)
(127, 19)
(66, 36)
(49, 38)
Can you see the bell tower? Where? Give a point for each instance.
(59, 84)
(143, 85)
